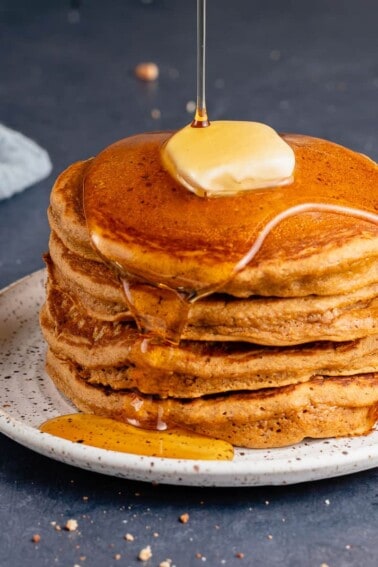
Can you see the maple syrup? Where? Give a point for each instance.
(201, 119)
(112, 435)
(145, 306)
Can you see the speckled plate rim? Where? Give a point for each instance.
(307, 461)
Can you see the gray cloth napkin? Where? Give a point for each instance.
(22, 162)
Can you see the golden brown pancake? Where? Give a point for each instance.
(331, 407)
(311, 253)
(153, 226)
(269, 321)
(114, 352)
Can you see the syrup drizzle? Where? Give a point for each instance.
(201, 119)
(168, 324)
(296, 210)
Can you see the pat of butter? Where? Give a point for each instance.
(228, 157)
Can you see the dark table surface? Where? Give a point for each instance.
(66, 80)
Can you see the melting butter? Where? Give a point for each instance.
(228, 157)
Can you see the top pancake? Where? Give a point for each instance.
(152, 225)
(144, 220)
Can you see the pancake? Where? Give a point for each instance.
(275, 417)
(285, 348)
(188, 241)
(268, 321)
(95, 279)
(109, 350)
(310, 253)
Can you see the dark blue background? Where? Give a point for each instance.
(309, 67)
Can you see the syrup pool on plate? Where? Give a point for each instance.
(105, 433)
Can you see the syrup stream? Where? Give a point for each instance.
(296, 210)
(201, 119)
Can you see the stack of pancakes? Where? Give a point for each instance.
(286, 349)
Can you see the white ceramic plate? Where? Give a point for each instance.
(27, 398)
